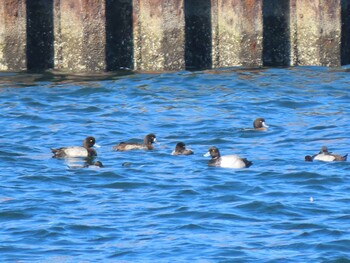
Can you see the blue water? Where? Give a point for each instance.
(163, 208)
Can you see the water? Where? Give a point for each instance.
(163, 208)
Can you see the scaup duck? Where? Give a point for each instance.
(96, 164)
(260, 125)
(146, 145)
(76, 151)
(226, 161)
(326, 156)
(180, 149)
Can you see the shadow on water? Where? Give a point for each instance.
(276, 33)
(198, 34)
(30, 78)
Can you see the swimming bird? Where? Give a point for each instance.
(146, 145)
(96, 164)
(180, 149)
(326, 156)
(88, 164)
(226, 161)
(259, 124)
(76, 151)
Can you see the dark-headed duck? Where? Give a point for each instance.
(96, 164)
(180, 149)
(227, 161)
(326, 156)
(76, 151)
(146, 145)
(259, 124)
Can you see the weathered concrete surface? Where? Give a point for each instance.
(80, 37)
(159, 35)
(315, 32)
(13, 35)
(237, 33)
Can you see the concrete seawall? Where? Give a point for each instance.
(162, 35)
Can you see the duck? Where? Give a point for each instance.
(180, 149)
(89, 164)
(259, 124)
(226, 161)
(146, 145)
(77, 151)
(97, 164)
(326, 156)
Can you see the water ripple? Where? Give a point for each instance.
(152, 206)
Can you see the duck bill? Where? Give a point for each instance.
(207, 154)
(97, 145)
(264, 125)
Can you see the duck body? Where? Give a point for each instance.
(226, 161)
(146, 145)
(325, 156)
(94, 165)
(124, 146)
(73, 152)
(180, 149)
(76, 151)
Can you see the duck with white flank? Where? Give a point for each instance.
(326, 156)
(226, 161)
(77, 151)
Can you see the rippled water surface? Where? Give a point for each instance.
(150, 206)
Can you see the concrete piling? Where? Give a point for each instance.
(162, 35)
(159, 35)
(13, 35)
(237, 33)
(79, 35)
(315, 32)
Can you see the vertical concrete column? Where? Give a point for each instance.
(237, 33)
(80, 37)
(159, 35)
(315, 32)
(13, 35)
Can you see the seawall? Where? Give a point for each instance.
(162, 35)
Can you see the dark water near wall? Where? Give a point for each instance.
(163, 208)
